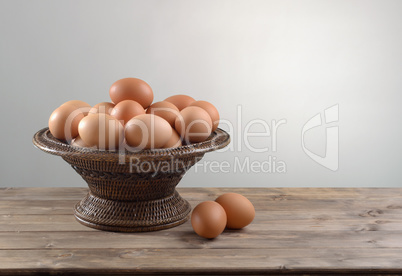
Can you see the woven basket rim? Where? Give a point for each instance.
(45, 141)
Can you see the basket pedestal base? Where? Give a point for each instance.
(131, 191)
(132, 216)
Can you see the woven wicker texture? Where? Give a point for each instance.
(131, 191)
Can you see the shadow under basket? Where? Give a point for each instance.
(131, 191)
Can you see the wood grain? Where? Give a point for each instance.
(296, 231)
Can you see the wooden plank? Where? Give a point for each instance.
(52, 206)
(276, 220)
(277, 194)
(37, 207)
(212, 260)
(242, 239)
(18, 223)
(64, 207)
(202, 193)
(299, 230)
(36, 193)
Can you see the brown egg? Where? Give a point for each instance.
(83, 106)
(180, 101)
(208, 219)
(147, 131)
(239, 210)
(78, 142)
(194, 124)
(127, 109)
(174, 141)
(101, 131)
(63, 123)
(212, 111)
(103, 107)
(166, 110)
(131, 89)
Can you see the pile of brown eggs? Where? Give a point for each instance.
(132, 120)
(230, 210)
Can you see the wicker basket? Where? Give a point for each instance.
(131, 192)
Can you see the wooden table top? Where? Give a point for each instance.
(296, 230)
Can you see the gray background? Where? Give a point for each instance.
(277, 59)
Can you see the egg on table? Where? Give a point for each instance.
(208, 219)
(239, 210)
